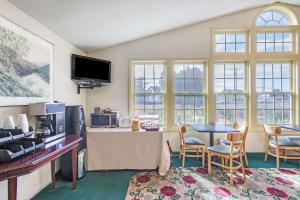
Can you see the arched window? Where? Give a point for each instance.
(273, 18)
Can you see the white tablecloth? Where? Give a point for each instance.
(121, 148)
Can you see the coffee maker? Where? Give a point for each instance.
(50, 120)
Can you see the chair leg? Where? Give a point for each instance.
(183, 158)
(277, 157)
(242, 166)
(197, 153)
(203, 157)
(180, 152)
(231, 170)
(245, 156)
(285, 153)
(209, 162)
(266, 153)
(222, 161)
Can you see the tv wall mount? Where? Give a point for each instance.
(88, 85)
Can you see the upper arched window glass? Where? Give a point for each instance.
(273, 18)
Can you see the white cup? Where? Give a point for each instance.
(22, 123)
(9, 122)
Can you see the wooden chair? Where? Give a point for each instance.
(278, 143)
(190, 144)
(244, 130)
(230, 152)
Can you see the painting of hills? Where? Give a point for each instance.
(25, 66)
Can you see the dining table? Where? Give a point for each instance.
(212, 129)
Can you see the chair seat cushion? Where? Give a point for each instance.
(226, 142)
(284, 141)
(193, 141)
(223, 149)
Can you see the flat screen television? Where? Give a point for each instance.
(90, 69)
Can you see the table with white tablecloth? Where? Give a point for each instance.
(122, 148)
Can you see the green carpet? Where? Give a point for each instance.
(112, 185)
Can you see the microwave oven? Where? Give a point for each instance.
(105, 120)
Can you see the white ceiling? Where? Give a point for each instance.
(95, 24)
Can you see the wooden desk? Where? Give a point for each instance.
(212, 129)
(31, 162)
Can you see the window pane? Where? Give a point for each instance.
(149, 71)
(269, 102)
(188, 85)
(199, 117)
(220, 38)
(260, 101)
(159, 71)
(139, 71)
(179, 102)
(198, 71)
(230, 101)
(229, 116)
(189, 102)
(149, 101)
(219, 71)
(139, 102)
(159, 102)
(179, 85)
(198, 85)
(139, 86)
(179, 71)
(240, 116)
(199, 102)
(240, 102)
(220, 101)
(220, 116)
(189, 116)
(188, 71)
(159, 85)
(149, 86)
(179, 116)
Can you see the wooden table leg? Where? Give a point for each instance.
(211, 138)
(12, 188)
(53, 174)
(74, 166)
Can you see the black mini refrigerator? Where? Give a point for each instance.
(75, 125)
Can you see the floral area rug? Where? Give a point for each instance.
(195, 183)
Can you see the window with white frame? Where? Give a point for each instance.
(273, 18)
(189, 92)
(274, 42)
(274, 93)
(230, 42)
(230, 94)
(149, 89)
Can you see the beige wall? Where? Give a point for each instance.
(185, 43)
(64, 90)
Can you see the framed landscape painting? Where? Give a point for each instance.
(26, 66)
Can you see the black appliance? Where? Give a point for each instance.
(75, 125)
(50, 119)
(90, 69)
(106, 120)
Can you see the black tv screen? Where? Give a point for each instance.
(90, 69)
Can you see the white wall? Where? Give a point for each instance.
(184, 43)
(64, 91)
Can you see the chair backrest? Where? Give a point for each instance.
(236, 139)
(181, 131)
(273, 130)
(244, 130)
